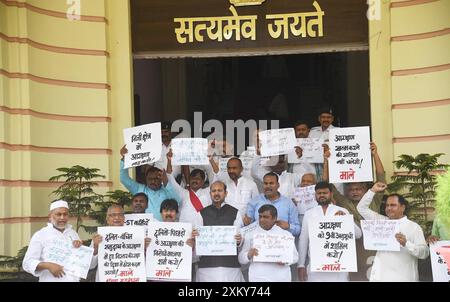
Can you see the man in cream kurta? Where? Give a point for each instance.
(266, 271)
(240, 189)
(36, 260)
(390, 265)
(324, 209)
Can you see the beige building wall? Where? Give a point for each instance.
(410, 79)
(65, 96)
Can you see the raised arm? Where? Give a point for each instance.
(125, 178)
(379, 169)
(364, 203)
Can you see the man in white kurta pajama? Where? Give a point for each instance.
(266, 271)
(394, 266)
(36, 260)
(324, 209)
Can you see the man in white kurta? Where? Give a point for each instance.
(324, 209)
(395, 266)
(266, 271)
(188, 211)
(301, 129)
(36, 260)
(326, 119)
(240, 189)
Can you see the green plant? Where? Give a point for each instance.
(77, 190)
(443, 198)
(11, 268)
(419, 184)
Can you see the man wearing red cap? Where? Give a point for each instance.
(37, 260)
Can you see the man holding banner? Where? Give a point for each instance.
(400, 266)
(240, 189)
(157, 187)
(194, 198)
(324, 209)
(326, 119)
(274, 267)
(38, 259)
(219, 268)
(287, 211)
(115, 217)
(354, 191)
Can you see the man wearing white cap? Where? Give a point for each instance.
(57, 233)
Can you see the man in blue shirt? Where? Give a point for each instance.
(157, 187)
(287, 211)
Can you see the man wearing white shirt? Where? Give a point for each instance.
(324, 209)
(194, 198)
(395, 266)
(308, 179)
(36, 260)
(240, 188)
(302, 130)
(266, 271)
(326, 119)
(166, 137)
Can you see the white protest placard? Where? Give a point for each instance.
(379, 235)
(189, 151)
(223, 161)
(143, 143)
(268, 161)
(248, 229)
(305, 198)
(351, 159)
(121, 254)
(141, 219)
(277, 141)
(441, 273)
(79, 262)
(273, 247)
(332, 244)
(312, 151)
(168, 256)
(246, 164)
(76, 261)
(216, 241)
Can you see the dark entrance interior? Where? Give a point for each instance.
(282, 87)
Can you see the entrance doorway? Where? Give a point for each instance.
(282, 87)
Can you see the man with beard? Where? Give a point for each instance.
(240, 189)
(396, 266)
(36, 260)
(219, 268)
(301, 129)
(157, 186)
(139, 203)
(326, 119)
(287, 211)
(324, 209)
(266, 271)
